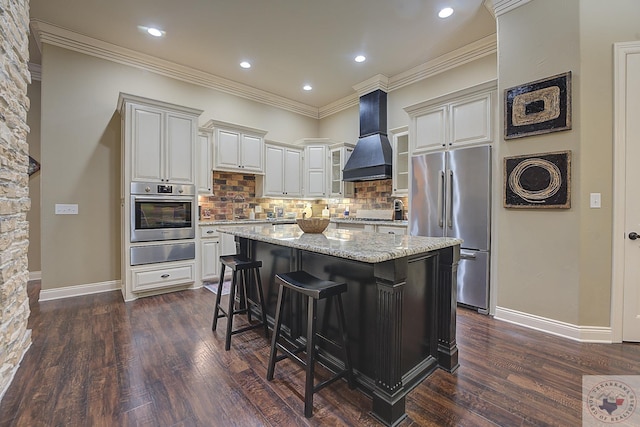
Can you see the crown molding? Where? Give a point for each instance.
(36, 71)
(339, 105)
(500, 7)
(377, 82)
(50, 34)
(476, 50)
(53, 35)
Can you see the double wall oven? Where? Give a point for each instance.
(163, 221)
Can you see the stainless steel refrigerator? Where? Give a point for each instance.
(451, 196)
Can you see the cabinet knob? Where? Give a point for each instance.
(210, 232)
(164, 276)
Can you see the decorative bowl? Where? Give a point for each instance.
(313, 225)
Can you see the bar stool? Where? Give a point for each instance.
(243, 266)
(314, 289)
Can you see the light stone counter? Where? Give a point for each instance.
(347, 244)
(399, 223)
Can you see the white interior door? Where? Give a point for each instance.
(631, 278)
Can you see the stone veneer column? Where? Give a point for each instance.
(15, 338)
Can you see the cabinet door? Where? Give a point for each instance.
(227, 149)
(251, 153)
(203, 162)
(274, 171)
(315, 173)
(431, 131)
(146, 156)
(180, 153)
(391, 229)
(293, 172)
(227, 244)
(210, 259)
(400, 174)
(348, 188)
(471, 120)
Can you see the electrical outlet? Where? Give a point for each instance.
(595, 201)
(62, 209)
(258, 209)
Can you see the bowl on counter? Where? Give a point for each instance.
(313, 225)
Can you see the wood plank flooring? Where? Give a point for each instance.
(96, 361)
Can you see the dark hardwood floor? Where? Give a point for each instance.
(96, 361)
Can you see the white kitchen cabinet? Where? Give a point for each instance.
(283, 172)
(209, 253)
(400, 171)
(338, 156)
(355, 226)
(460, 119)
(204, 149)
(315, 171)
(159, 276)
(391, 229)
(431, 129)
(237, 148)
(161, 140)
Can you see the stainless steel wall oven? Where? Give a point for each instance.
(162, 212)
(163, 216)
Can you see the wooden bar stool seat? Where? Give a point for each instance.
(314, 289)
(244, 267)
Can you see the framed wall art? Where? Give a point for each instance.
(538, 180)
(538, 107)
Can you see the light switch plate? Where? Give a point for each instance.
(595, 201)
(258, 209)
(64, 209)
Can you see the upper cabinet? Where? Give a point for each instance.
(159, 140)
(237, 148)
(204, 160)
(315, 170)
(463, 118)
(400, 172)
(338, 156)
(283, 172)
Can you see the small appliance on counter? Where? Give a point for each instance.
(398, 210)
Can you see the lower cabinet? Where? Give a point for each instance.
(210, 265)
(213, 245)
(157, 276)
(392, 229)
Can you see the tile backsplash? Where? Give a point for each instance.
(235, 196)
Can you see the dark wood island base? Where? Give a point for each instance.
(401, 311)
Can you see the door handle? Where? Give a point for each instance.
(633, 235)
(450, 201)
(440, 201)
(467, 255)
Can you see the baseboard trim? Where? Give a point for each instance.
(592, 334)
(12, 374)
(78, 290)
(35, 275)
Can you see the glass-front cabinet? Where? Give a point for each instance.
(400, 172)
(339, 154)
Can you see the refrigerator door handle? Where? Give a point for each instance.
(467, 255)
(440, 201)
(450, 200)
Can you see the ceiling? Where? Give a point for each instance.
(289, 42)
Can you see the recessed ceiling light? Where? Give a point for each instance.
(360, 58)
(445, 13)
(307, 87)
(245, 64)
(155, 32)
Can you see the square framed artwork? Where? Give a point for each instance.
(538, 181)
(538, 107)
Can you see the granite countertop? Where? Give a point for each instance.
(399, 223)
(246, 221)
(348, 244)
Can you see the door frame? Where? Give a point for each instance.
(620, 53)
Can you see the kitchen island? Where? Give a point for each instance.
(400, 301)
